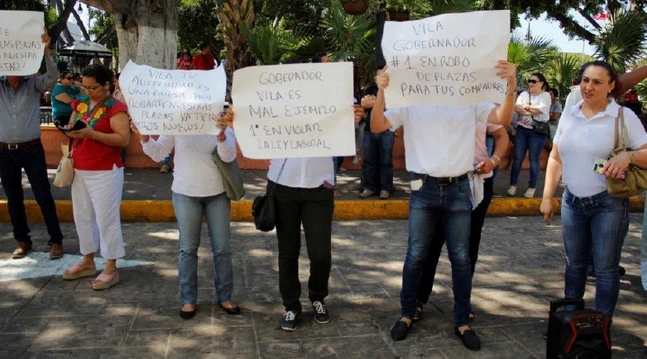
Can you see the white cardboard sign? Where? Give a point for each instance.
(446, 59)
(173, 102)
(297, 110)
(21, 46)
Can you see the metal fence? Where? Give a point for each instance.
(45, 115)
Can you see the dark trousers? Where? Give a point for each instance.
(478, 218)
(378, 159)
(33, 161)
(314, 209)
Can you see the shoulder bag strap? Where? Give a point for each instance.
(624, 134)
(616, 141)
(74, 143)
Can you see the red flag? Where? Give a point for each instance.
(601, 17)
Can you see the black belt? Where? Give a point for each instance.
(442, 180)
(20, 146)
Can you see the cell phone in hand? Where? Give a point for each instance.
(78, 125)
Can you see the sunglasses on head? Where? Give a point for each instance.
(532, 81)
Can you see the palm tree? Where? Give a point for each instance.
(274, 44)
(350, 38)
(236, 15)
(622, 41)
(531, 55)
(561, 72)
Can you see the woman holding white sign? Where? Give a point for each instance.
(533, 108)
(303, 195)
(198, 191)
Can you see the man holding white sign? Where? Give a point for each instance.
(21, 148)
(173, 102)
(440, 186)
(441, 61)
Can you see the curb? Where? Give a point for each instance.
(345, 210)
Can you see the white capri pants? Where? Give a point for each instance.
(96, 196)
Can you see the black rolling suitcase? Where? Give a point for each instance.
(579, 334)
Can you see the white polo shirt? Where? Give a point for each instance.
(439, 140)
(308, 172)
(581, 142)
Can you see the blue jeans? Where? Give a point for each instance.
(378, 153)
(597, 224)
(189, 212)
(525, 141)
(450, 204)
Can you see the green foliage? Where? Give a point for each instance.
(350, 38)
(622, 40)
(273, 44)
(26, 5)
(531, 56)
(198, 23)
(417, 7)
(451, 6)
(561, 71)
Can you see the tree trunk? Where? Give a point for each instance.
(61, 23)
(146, 30)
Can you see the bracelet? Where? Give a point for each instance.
(498, 160)
(632, 157)
(95, 134)
(510, 93)
(493, 163)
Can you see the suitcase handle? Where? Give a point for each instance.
(556, 304)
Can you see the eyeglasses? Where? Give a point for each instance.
(90, 89)
(69, 78)
(532, 81)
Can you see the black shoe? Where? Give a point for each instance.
(289, 321)
(470, 339)
(233, 311)
(400, 330)
(322, 316)
(621, 271)
(187, 315)
(419, 308)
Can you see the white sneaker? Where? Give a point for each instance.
(512, 191)
(530, 193)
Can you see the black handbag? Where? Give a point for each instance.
(263, 207)
(538, 127)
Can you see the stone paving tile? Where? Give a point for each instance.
(211, 342)
(348, 347)
(83, 332)
(14, 345)
(520, 270)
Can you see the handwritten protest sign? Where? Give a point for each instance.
(173, 102)
(21, 47)
(298, 110)
(447, 59)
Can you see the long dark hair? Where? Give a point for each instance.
(541, 78)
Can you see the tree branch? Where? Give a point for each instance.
(588, 18)
(61, 23)
(81, 25)
(571, 27)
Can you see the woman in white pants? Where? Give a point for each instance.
(98, 176)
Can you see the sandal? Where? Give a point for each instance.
(76, 271)
(105, 281)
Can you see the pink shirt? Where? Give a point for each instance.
(480, 148)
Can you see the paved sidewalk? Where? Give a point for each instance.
(520, 269)
(149, 184)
